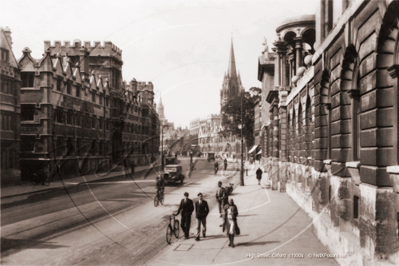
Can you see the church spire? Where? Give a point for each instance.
(232, 73)
(160, 100)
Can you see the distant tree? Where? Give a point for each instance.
(231, 115)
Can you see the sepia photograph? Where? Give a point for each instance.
(201, 132)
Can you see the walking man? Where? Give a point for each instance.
(201, 212)
(259, 175)
(221, 197)
(216, 166)
(225, 163)
(186, 207)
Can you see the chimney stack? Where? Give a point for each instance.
(7, 33)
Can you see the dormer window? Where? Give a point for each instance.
(68, 85)
(27, 79)
(59, 84)
(78, 87)
(4, 55)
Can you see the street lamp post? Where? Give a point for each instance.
(162, 166)
(242, 146)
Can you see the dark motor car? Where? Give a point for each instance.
(211, 156)
(173, 174)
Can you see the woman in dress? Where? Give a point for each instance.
(232, 227)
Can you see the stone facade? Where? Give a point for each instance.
(334, 125)
(77, 116)
(10, 113)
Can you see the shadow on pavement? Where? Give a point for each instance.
(7, 244)
(245, 215)
(257, 243)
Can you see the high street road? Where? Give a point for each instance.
(107, 222)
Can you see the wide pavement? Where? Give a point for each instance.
(272, 225)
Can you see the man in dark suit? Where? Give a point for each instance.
(221, 197)
(201, 212)
(186, 207)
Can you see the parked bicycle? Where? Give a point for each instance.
(159, 198)
(172, 229)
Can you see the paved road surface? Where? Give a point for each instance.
(113, 223)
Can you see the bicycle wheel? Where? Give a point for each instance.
(177, 229)
(156, 201)
(161, 198)
(169, 233)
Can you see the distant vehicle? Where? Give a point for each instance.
(170, 160)
(173, 174)
(211, 156)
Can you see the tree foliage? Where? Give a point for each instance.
(231, 115)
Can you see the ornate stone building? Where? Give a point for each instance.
(10, 83)
(332, 139)
(207, 129)
(78, 116)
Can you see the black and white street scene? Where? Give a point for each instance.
(193, 133)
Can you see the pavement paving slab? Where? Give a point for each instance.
(274, 231)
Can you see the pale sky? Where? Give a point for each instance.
(181, 46)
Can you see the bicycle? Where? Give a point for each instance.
(172, 229)
(159, 198)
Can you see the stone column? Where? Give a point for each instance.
(283, 145)
(276, 68)
(275, 149)
(298, 50)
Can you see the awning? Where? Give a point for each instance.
(253, 149)
(260, 152)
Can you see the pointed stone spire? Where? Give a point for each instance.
(232, 72)
(160, 100)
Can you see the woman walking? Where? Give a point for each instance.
(231, 226)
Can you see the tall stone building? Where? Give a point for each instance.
(78, 116)
(332, 138)
(232, 85)
(10, 113)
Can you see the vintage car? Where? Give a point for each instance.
(170, 160)
(211, 157)
(173, 173)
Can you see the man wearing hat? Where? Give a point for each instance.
(221, 197)
(201, 212)
(186, 207)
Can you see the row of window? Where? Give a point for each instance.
(136, 129)
(70, 118)
(8, 87)
(7, 122)
(9, 159)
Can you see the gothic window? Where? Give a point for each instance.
(59, 84)
(27, 112)
(68, 86)
(78, 89)
(60, 146)
(59, 115)
(4, 55)
(27, 79)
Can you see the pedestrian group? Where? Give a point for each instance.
(227, 209)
